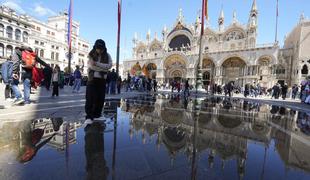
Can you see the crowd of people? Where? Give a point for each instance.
(25, 67)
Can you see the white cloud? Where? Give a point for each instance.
(14, 4)
(43, 11)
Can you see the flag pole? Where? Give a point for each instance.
(119, 15)
(70, 36)
(199, 67)
(277, 20)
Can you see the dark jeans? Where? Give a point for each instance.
(55, 89)
(95, 96)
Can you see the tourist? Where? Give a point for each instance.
(276, 91)
(246, 90)
(47, 72)
(27, 66)
(56, 81)
(113, 79)
(128, 82)
(77, 80)
(294, 91)
(7, 77)
(99, 63)
(186, 88)
(284, 89)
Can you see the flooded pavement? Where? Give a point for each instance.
(162, 137)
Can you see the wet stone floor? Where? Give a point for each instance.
(162, 137)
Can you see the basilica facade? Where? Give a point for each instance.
(230, 53)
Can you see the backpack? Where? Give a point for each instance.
(28, 58)
(7, 72)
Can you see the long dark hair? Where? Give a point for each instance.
(99, 44)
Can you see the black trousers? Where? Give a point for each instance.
(55, 89)
(95, 97)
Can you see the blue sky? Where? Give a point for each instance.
(98, 18)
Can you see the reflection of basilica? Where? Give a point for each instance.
(231, 53)
(225, 128)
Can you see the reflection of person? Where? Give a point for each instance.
(96, 167)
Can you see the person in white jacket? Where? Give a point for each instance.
(99, 63)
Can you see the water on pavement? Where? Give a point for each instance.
(162, 137)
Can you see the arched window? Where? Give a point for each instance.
(25, 37)
(18, 34)
(1, 50)
(9, 32)
(42, 53)
(1, 30)
(304, 70)
(9, 50)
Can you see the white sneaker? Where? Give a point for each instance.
(18, 101)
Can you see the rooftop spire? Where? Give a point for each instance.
(181, 17)
(222, 17)
(254, 6)
(235, 17)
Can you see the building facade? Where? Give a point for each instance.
(230, 53)
(48, 39)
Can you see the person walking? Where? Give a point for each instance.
(47, 72)
(77, 80)
(113, 81)
(284, 90)
(99, 63)
(154, 85)
(128, 83)
(56, 81)
(186, 88)
(295, 90)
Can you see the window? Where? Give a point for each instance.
(36, 50)
(1, 30)
(42, 53)
(9, 50)
(57, 56)
(38, 29)
(18, 35)
(36, 42)
(53, 34)
(25, 37)
(1, 50)
(52, 55)
(53, 46)
(42, 43)
(48, 32)
(57, 47)
(9, 32)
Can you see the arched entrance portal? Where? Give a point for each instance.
(233, 71)
(208, 71)
(175, 68)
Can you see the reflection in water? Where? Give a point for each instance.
(224, 129)
(96, 166)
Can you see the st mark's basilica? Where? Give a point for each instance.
(230, 53)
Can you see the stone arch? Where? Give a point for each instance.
(175, 63)
(234, 33)
(265, 59)
(233, 70)
(155, 46)
(182, 33)
(141, 48)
